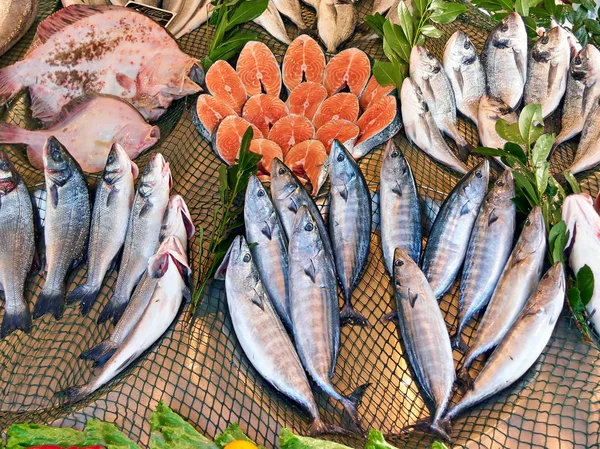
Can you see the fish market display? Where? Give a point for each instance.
(227, 138)
(583, 225)
(142, 235)
(16, 19)
(155, 74)
(349, 225)
(272, 22)
(17, 246)
(308, 160)
(303, 61)
(258, 69)
(420, 128)
(548, 70)
(341, 130)
(522, 344)
(339, 106)
(465, 73)
(169, 267)
(66, 227)
(270, 254)
(430, 76)
(379, 123)
(451, 232)
(588, 151)
(314, 308)
(290, 130)
(350, 69)
(517, 282)
(336, 21)
(208, 113)
(583, 92)
(110, 216)
(424, 335)
(504, 59)
(88, 126)
(488, 250)
(399, 208)
(491, 109)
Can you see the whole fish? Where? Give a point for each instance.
(547, 70)
(186, 10)
(291, 9)
(110, 216)
(142, 235)
(588, 151)
(399, 207)
(583, 92)
(79, 49)
(17, 246)
(66, 227)
(421, 129)
(437, 90)
(162, 309)
(16, 19)
(177, 221)
(200, 16)
(491, 109)
(288, 196)
(89, 126)
(336, 21)
(449, 237)
(466, 74)
(349, 225)
(504, 59)
(517, 282)
(424, 335)
(489, 249)
(272, 22)
(314, 308)
(270, 254)
(583, 225)
(522, 344)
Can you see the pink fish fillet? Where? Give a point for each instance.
(101, 49)
(87, 127)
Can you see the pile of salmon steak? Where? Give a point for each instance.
(323, 101)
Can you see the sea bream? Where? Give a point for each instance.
(587, 154)
(103, 49)
(67, 225)
(314, 308)
(17, 246)
(112, 206)
(88, 126)
(143, 231)
(168, 267)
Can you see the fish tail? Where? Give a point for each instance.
(458, 342)
(10, 85)
(10, 133)
(318, 427)
(85, 293)
(464, 149)
(390, 317)
(50, 302)
(100, 353)
(464, 379)
(351, 402)
(74, 394)
(15, 320)
(441, 428)
(350, 316)
(114, 309)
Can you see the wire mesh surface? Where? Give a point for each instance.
(201, 372)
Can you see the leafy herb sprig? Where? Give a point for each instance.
(414, 28)
(227, 18)
(227, 216)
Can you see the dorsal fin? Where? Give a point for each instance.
(70, 108)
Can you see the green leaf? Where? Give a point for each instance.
(406, 21)
(246, 11)
(526, 187)
(593, 26)
(573, 183)
(530, 27)
(522, 205)
(387, 73)
(220, 30)
(589, 5)
(223, 184)
(420, 7)
(578, 17)
(581, 34)
(438, 445)
(507, 5)
(516, 151)
(550, 6)
(431, 31)
(287, 440)
(557, 241)
(575, 300)
(585, 284)
(377, 441)
(448, 13)
(541, 149)
(391, 54)
(168, 430)
(436, 4)
(396, 40)
(232, 46)
(509, 131)
(486, 151)
(375, 22)
(231, 433)
(531, 124)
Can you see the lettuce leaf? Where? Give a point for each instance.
(287, 440)
(168, 430)
(106, 434)
(377, 441)
(232, 433)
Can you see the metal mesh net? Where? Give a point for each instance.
(201, 372)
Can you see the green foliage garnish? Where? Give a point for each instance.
(287, 440)
(580, 293)
(438, 445)
(227, 216)
(168, 430)
(230, 434)
(227, 18)
(377, 441)
(414, 28)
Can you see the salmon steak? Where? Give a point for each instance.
(304, 60)
(223, 83)
(373, 93)
(306, 98)
(263, 111)
(259, 70)
(227, 138)
(208, 113)
(290, 130)
(340, 106)
(307, 159)
(379, 123)
(269, 151)
(349, 70)
(343, 130)
(80, 49)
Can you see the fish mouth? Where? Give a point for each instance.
(181, 207)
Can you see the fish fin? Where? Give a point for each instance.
(10, 133)
(187, 293)
(101, 360)
(351, 403)
(458, 342)
(74, 394)
(100, 352)
(465, 209)
(493, 217)
(310, 271)
(44, 103)
(126, 82)
(390, 317)
(464, 379)
(440, 429)
(112, 196)
(64, 17)
(86, 294)
(552, 74)
(10, 85)
(459, 79)
(266, 230)
(412, 297)
(292, 206)
(114, 309)
(520, 66)
(145, 209)
(350, 316)
(19, 320)
(344, 193)
(318, 427)
(53, 303)
(54, 195)
(397, 189)
(464, 150)
(257, 300)
(71, 108)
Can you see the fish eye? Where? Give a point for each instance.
(147, 169)
(467, 44)
(282, 171)
(500, 183)
(56, 155)
(527, 222)
(577, 60)
(478, 174)
(261, 192)
(247, 257)
(399, 263)
(340, 157)
(3, 165)
(504, 27)
(395, 154)
(308, 227)
(111, 158)
(545, 39)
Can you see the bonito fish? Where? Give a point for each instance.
(112, 206)
(80, 49)
(17, 246)
(66, 227)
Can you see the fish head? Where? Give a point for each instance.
(166, 77)
(552, 284)
(156, 176)
(494, 107)
(305, 233)
(508, 32)
(503, 191)
(580, 216)
(9, 178)
(394, 165)
(412, 96)
(59, 165)
(257, 202)
(533, 236)
(241, 272)
(136, 138)
(474, 184)
(423, 63)
(283, 181)
(459, 51)
(405, 267)
(342, 167)
(586, 64)
(118, 165)
(551, 45)
(177, 220)
(170, 254)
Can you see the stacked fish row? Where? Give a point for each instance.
(324, 103)
(286, 280)
(493, 88)
(473, 230)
